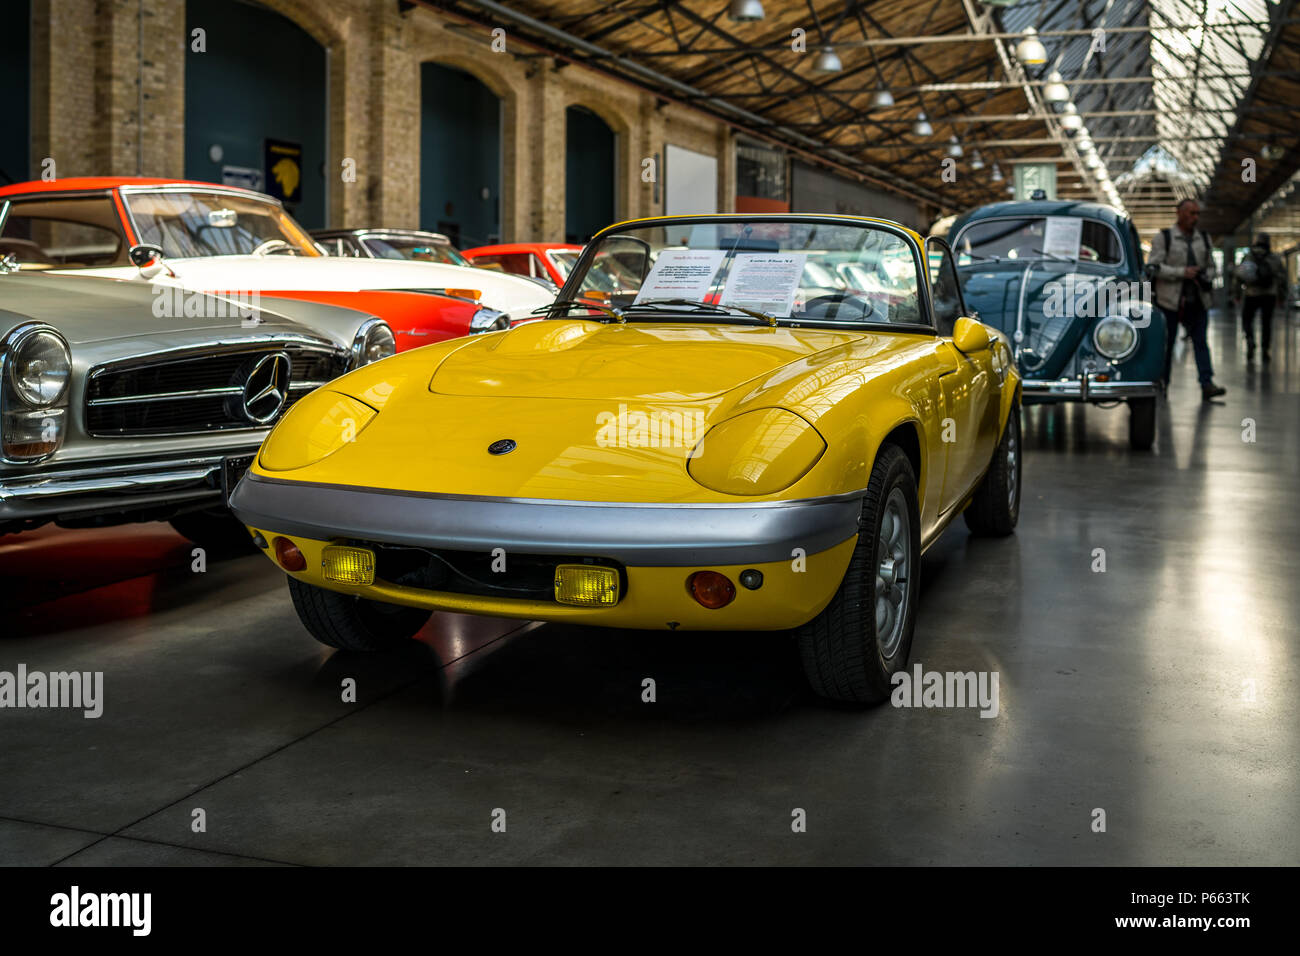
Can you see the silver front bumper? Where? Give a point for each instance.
(1084, 389)
(117, 487)
(642, 534)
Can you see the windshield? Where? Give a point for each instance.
(1067, 238)
(784, 270)
(197, 224)
(414, 247)
(563, 260)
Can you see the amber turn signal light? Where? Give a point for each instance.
(711, 589)
(287, 553)
(474, 294)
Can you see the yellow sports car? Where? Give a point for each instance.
(763, 430)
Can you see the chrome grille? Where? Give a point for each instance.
(198, 392)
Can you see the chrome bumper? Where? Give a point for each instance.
(115, 487)
(646, 535)
(1084, 389)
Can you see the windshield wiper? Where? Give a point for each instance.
(567, 304)
(1053, 255)
(707, 307)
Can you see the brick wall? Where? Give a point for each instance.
(90, 69)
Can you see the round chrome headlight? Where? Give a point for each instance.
(374, 341)
(40, 368)
(1115, 337)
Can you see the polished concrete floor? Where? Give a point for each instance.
(1163, 691)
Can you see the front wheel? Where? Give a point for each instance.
(1141, 423)
(995, 509)
(855, 645)
(352, 623)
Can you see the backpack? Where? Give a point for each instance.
(1247, 271)
(1263, 271)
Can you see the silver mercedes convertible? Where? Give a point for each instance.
(122, 403)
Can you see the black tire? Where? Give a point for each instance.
(352, 623)
(216, 531)
(843, 655)
(1141, 423)
(995, 509)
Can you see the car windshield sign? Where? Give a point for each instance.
(1021, 238)
(735, 270)
(196, 224)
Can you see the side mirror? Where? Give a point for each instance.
(144, 254)
(969, 336)
(148, 258)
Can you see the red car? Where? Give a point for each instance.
(537, 260)
(608, 275)
(208, 238)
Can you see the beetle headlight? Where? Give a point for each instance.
(36, 371)
(756, 453)
(373, 341)
(1115, 337)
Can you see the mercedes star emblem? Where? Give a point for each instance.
(267, 390)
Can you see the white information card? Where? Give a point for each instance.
(681, 274)
(765, 281)
(1061, 236)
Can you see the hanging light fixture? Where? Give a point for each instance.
(1055, 91)
(1092, 161)
(827, 61)
(954, 147)
(1070, 119)
(745, 11)
(996, 175)
(881, 99)
(976, 160)
(922, 125)
(1030, 51)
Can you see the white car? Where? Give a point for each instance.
(207, 238)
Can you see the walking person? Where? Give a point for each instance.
(1259, 284)
(1183, 269)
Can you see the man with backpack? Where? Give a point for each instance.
(1259, 283)
(1182, 268)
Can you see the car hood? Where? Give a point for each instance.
(596, 412)
(513, 295)
(659, 362)
(1001, 291)
(85, 310)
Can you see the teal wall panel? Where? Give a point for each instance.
(262, 77)
(460, 156)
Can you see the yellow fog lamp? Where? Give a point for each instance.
(345, 565)
(586, 585)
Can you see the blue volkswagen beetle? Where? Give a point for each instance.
(1064, 281)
